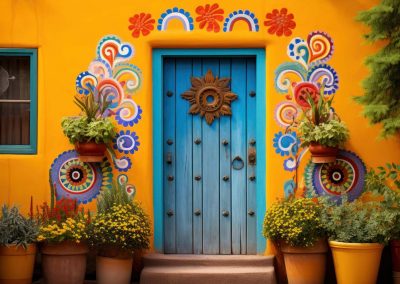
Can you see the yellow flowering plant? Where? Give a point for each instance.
(296, 221)
(64, 221)
(121, 225)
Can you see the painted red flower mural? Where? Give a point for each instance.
(210, 16)
(141, 23)
(280, 22)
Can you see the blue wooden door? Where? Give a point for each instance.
(209, 181)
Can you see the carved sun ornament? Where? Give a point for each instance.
(210, 97)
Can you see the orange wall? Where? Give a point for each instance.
(66, 34)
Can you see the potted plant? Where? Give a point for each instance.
(17, 246)
(91, 131)
(119, 228)
(62, 235)
(384, 183)
(321, 129)
(357, 233)
(294, 225)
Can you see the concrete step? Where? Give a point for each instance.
(207, 269)
(206, 260)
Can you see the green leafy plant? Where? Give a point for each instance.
(383, 184)
(294, 221)
(15, 229)
(92, 125)
(358, 221)
(332, 133)
(320, 124)
(121, 225)
(381, 100)
(78, 129)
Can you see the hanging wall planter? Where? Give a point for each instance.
(90, 151)
(322, 154)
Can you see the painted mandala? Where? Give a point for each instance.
(286, 144)
(345, 176)
(79, 180)
(126, 142)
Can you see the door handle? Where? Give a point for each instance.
(237, 163)
(251, 157)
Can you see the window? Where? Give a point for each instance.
(18, 101)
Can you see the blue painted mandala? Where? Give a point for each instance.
(126, 142)
(79, 180)
(286, 144)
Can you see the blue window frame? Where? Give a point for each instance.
(18, 101)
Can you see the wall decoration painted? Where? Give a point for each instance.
(241, 15)
(345, 176)
(126, 142)
(210, 97)
(79, 180)
(175, 13)
(286, 143)
(111, 73)
(209, 17)
(123, 181)
(289, 187)
(280, 22)
(285, 113)
(141, 23)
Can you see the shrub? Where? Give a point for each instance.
(332, 133)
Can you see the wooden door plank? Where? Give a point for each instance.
(238, 149)
(184, 141)
(225, 170)
(211, 176)
(197, 171)
(169, 169)
(251, 169)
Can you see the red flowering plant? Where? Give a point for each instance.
(63, 220)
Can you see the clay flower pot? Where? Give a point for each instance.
(322, 154)
(395, 248)
(356, 262)
(90, 151)
(113, 265)
(64, 263)
(16, 264)
(305, 265)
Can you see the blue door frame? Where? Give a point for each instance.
(158, 198)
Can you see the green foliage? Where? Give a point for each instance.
(78, 129)
(332, 133)
(295, 221)
(15, 229)
(382, 88)
(117, 195)
(358, 221)
(92, 105)
(120, 224)
(385, 183)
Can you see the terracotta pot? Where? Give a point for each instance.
(395, 249)
(113, 270)
(322, 154)
(356, 262)
(16, 264)
(64, 263)
(305, 265)
(90, 151)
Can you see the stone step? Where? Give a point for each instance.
(207, 269)
(206, 260)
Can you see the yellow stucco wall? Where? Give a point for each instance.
(66, 34)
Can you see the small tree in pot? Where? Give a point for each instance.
(93, 130)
